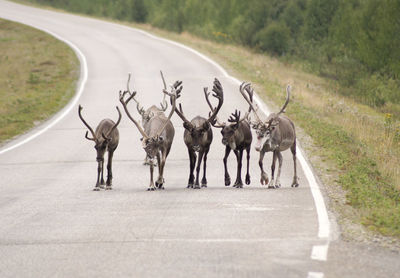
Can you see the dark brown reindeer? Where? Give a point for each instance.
(158, 134)
(106, 138)
(150, 112)
(198, 136)
(236, 136)
(275, 135)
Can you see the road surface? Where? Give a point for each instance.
(54, 225)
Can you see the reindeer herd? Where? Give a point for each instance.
(275, 134)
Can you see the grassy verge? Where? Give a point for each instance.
(358, 147)
(38, 76)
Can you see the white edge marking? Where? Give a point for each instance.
(319, 252)
(81, 85)
(315, 275)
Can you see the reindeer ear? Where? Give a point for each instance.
(161, 138)
(187, 126)
(274, 122)
(206, 126)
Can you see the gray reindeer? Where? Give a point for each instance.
(158, 134)
(275, 135)
(236, 136)
(150, 112)
(198, 136)
(106, 138)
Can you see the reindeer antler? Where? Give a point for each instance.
(173, 97)
(124, 104)
(114, 126)
(132, 96)
(87, 125)
(235, 117)
(288, 88)
(218, 94)
(246, 86)
(164, 104)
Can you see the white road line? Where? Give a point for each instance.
(319, 252)
(70, 105)
(315, 275)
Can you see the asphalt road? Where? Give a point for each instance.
(53, 225)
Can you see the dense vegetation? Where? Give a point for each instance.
(355, 42)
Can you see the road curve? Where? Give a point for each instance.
(52, 224)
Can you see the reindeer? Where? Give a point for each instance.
(275, 135)
(151, 111)
(237, 137)
(158, 134)
(106, 138)
(198, 136)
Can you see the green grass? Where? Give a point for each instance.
(38, 76)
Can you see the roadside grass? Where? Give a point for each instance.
(359, 147)
(38, 76)
(361, 144)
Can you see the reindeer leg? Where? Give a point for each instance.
(227, 177)
(97, 187)
(295, 182)
(271, 183)
(151, 186)
(248, 165)
(109, 170)
(197, 184)
(204, 179)
(264, 176)
(280, 158)
(161, 162)
(102, 183)
(192, 158)
(239, 156)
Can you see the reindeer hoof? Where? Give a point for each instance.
(238, 184)
(227, 181)
(271, 185)
(264, 179)
(189, 186)
(196, 186)
(96, 188)
(295, 185)
(204, 185)
(248, 180)
(278, 185)
(108, 188)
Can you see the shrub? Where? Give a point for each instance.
(274, 38)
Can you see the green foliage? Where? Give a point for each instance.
(350, 41)
(274, 38)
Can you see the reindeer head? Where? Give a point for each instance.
(101, 141)
(270, 128)
(151, 145)
(230, 132)
(197, 128)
